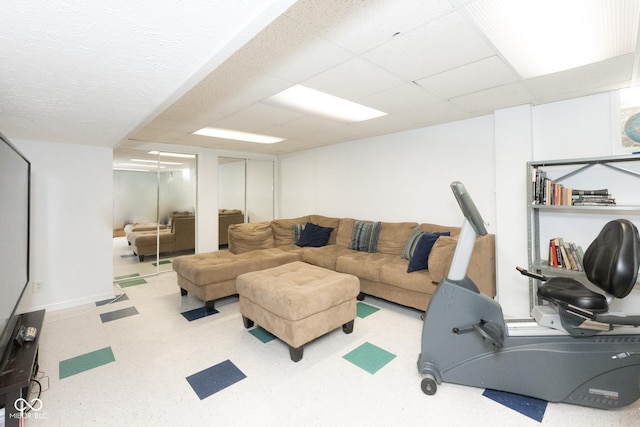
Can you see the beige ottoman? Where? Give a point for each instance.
(298, 302)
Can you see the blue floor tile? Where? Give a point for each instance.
(213, 379)
(530, 406)
(197, 313)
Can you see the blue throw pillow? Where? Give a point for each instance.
(314, 235)
(420, 258)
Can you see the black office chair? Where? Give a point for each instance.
(611, 263)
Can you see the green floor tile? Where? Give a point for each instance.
(85, 362)
(126, 276)
(132, 283)
(263, 335)
(365, 310)
(166, 261)
(369, 357)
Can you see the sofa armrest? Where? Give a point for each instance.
(482, 266)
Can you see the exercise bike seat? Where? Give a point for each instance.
(611, 263)
(567, 292)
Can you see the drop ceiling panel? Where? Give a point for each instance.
(354, 80)
(445, 43)
(256, 118)
(489, 100)
(593, 78)
(343, 24)
(483, 74)
(402, 98)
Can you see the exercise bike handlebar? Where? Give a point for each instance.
(469, 209)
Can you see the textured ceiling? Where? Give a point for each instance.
(88, 72)
(423, 62)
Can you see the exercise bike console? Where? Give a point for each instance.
(466, 340)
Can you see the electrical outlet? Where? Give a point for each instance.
(38, 286)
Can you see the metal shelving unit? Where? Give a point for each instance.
(573, 213)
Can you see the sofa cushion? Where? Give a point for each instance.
(363, 264)
(394, 273)
(325, 256)
(365, 236)
(393, 236)
(314, 235)
(441, 256)
(420, 257)
(215, 267)
(250, 237)
(345, 232)
(283, 229)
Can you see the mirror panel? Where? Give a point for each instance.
(259, 190)
(231, 195)
(148, 188)
(176, 207)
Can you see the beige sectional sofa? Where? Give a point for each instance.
(383, 273)
(180, 237)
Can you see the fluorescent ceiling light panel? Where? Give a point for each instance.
(162, 153)
(237, 135)
(130, 170)
(315, 102)
(137, 165)
(539, 37)
(155, 161)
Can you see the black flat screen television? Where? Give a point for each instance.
(15, 189)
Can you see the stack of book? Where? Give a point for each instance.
(592, 198)
(565, 254)
(546, 191)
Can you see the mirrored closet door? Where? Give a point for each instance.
(154, 208)
(245, 193)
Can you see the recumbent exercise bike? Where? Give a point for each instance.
(573, 352)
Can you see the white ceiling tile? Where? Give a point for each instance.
(257, 118)
(360, 26)
(479, 75)
(593, 78)
(489, 100)
(354, 80)
(437, 46)
(401, 98)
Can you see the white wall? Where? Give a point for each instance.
(399, 177)
(71, 224)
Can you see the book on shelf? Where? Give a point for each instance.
(546, 191)
(563, 254)
(593, 200)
